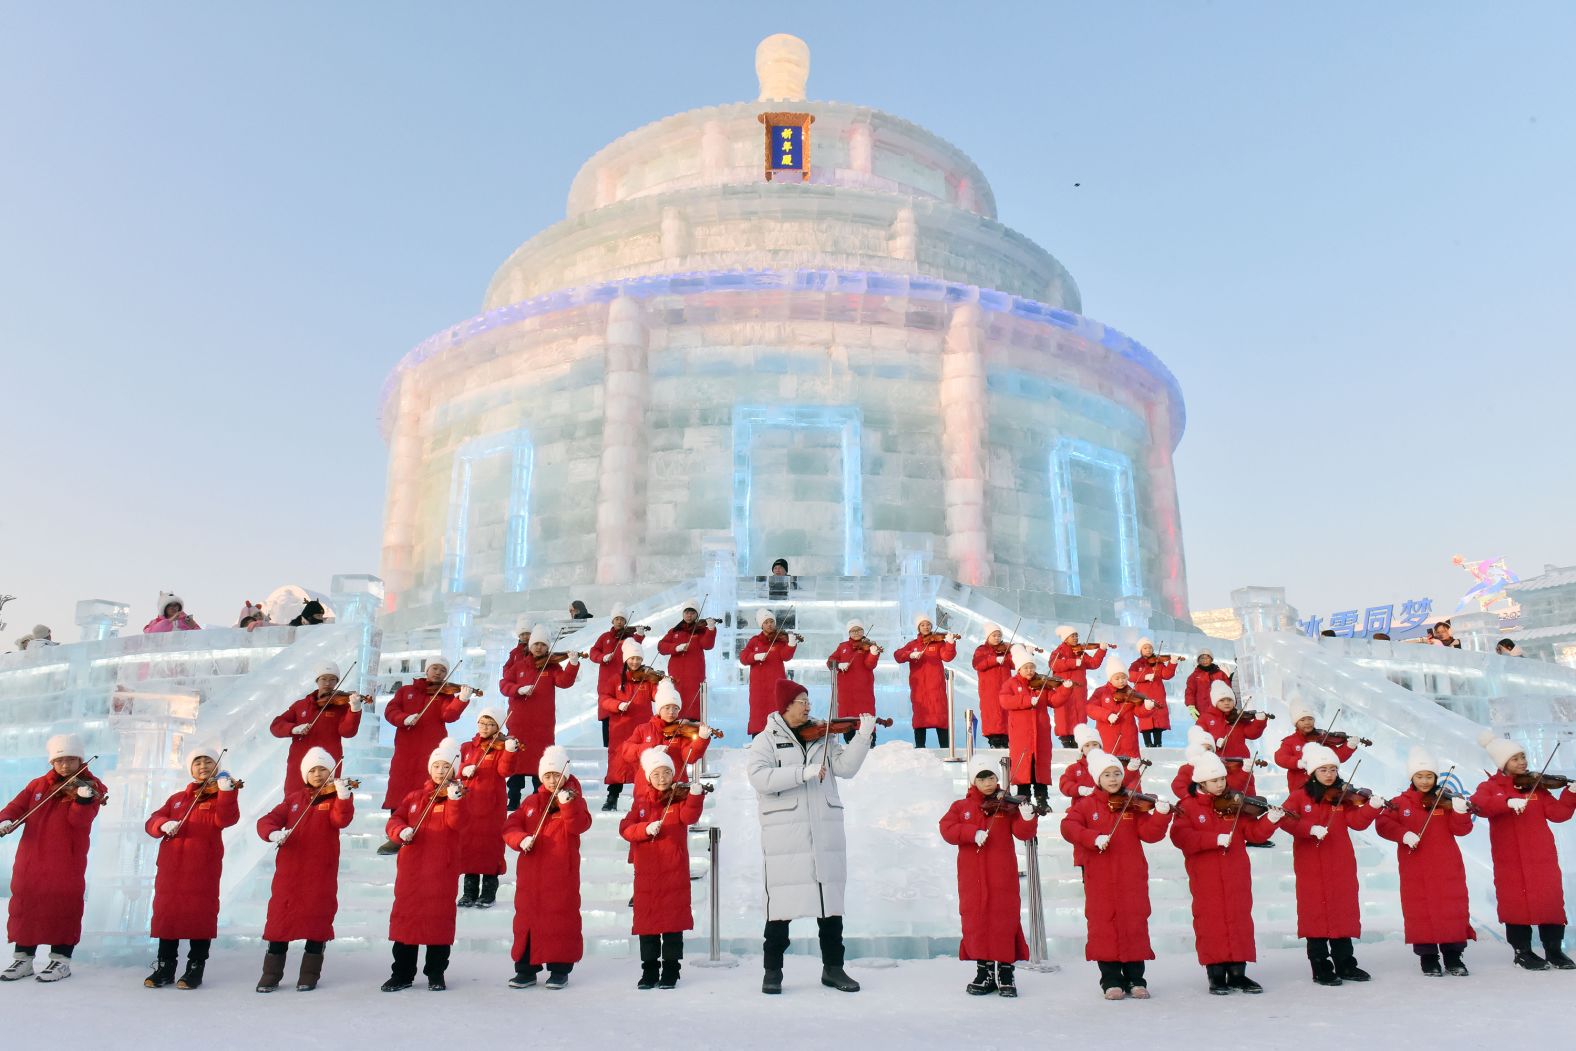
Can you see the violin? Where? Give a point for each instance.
(1004, 649)
(1143, 764)
(1047, 682)
(327, 788)
(679, 791)
(629, 630)
(1340, 737)
(1364, 794)
(644, 674)
(452, 689)
(1126, 799)
(816, 729)
(337, 699)
(210, 787)
(556, 659)
(1234, 760)
(1084, 647)
(552, 799)
(1004, 802)
(686, 728)
(1163, 658)
(865, 646)
(1231, 803)
(1529, 781)
(700, 627)
(939, 637)
(1247, 714)
(1442, 797)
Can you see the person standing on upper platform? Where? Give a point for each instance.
(532, 677)
(608, 656)
(1073, 660)
(766, 656)
(685, 646)
(325, 718)
(1231, 729)
(420, 714)
(927, 655)
(172, 616)
(992, 668)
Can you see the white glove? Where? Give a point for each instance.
(526, 844)
(624, 707)
(1275, 813)
(980, 837)
(84, 792)
(653, 828)
(466, 692)
(226, 784)
(1034, 700)
(607, 658)
(1220, 742)
(342, 788)
(511, 745)
(299, 730)
(1319, 831)
(410, 720)
(1412, 839)
(1101, 842)
(1224, 839)
(407, 834)
(8, 827)
(1377, 802)
(357, 702)
(1162, 807)
(526, 691)
(565, 797)
(455, 792)
(1001, 658)
(1261, 717)
(468, 770)
(1459, 805)
(1026, 811)
(278, 836)
(1108, 645)
(759, 657)
(169, 827)
(1085, 790)
(1518, 803)
(1150, 705)
(1111, 718)
(867, 724)
(842, 665)
(681, 647)
(1135, 763)
(574, 660)
(1150, 677)
(704, 733)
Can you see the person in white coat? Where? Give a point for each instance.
(794, 772)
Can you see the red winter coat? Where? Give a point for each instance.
(1029, 728)
(764, 676)
(1326, 868)
(1120, 737)
(1074, 665)
(547, 880)
(533, 718)
(927, 680)
(1199, 682)
(1238, 779)
(608, 671)
(486, 804)
(662, 875)
(620, 724)
(429, 865)
(1138, 676)
(186, 889)
(49, 876)
(1527, 880)
(1221, 881)
(1434, 903)
(413, 745)
(1289, 755)
(1235, 735)
(988, 901)
(330, 727)
(993, 671)
(1116, 881)
(856, 687)
(682, 750)
(1076, 776)
(688, 668)
(305, 893)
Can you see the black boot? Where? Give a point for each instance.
(1454, 965)
(772, 981)
(468, 885)
(1237, 978)
(1218, 983)
(837, 978)
(1520, 938)
(436, 966)
(648, 974)
(1430, 965)
(489, 894)
(1042, 802)
(1319, 959)
(1346, 961)
(1553, 937)
(163, 973)
(611, 803)
(670, 974)
(191, 978)
(984, 982)
(1005, 981)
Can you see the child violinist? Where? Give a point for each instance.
(927, 655)
(1211, 834)
(626, 709)
(1321, 815)
(1424, 822)
(685, 743)
(1076, 780)
(430, 823)
(487, 761)
(1289, 755)
(1028, 700)
(1072, 661)
(1231, 729)
(982, 825)
(656, 828)
(1111, 826)
(1149, 675)
(189, 827)
(545, 829)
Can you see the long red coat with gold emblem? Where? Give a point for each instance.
(988, 902)
(304, 897)
(428, 867)
(186, 888)
(413, 745)
(764, 675)
(49, 874)
(1327, 905)
(687, 666)
(487, 803)
(1221, 881)
(927, 680)
(1074, 665)
(533, 717)
(992, 670)
(547, 879)
(1029, 728)
(662, 875)
(1434, 904)
(1527, 880)
(330, 726)
(1116, 880)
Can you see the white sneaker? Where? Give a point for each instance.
(21, 967)
(57, 969)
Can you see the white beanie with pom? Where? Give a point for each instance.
(1299, 708)
(316, 757)
(555, 760)
(1499, 749)
(1418, 760)
(652, 758)
(619, 610)
(489, 713)
(1064, 630)
(923, 618)
(1219, 691)
(1099, 763)
(851, 625)
(1145, 641)
(448, 751)
(522, 624)
(539, 633)
(327, 668)
(667, 694)
(1021, 655)
(1317, 755)
(762, 615)
(1083, 734)
(991, 627)
(209, 749)
(1206, 767)
(1198, 737)
(631, 648)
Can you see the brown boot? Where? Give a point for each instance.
(273, 970)
(311, 971)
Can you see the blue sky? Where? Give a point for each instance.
(1346, 227)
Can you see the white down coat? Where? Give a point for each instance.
(802, 821)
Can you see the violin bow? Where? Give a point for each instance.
(197, 795)
(1538, 780)
(1439, 797)
(443, 788)
(1331, 726)
(333, 776)
(448, 674)
(826, 741)
(547, 661)
(325, 707)
(1346, 785)
(58, 789)
(551, 803)
(1237, 818)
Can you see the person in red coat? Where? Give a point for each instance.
(322, 719)
(1326, 814)
(983, 827)
(685, 646)
(682, 749)
(992, 668)
(766, 655)
(304, 830)
(49, 874)
(1076, 782)
(607, 654)
(420, 717)
(531, 680)
(656, 828)
(487, 761)
(1069, 660)
(927, 655)
(1111, 831)
(546, 831)
(1239, 778)
(190, 829)
(626, 709)
(1029, 724)
(853, 664)
(430, 823)
(1200, 680)
(1230, 728)
(1434, 905)
(1149, 675)
(1527, 880)
(1289, 755)
(1220, 877)
(1115, 708)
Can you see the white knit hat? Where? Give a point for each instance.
(62, 745)
(1299, 708)
(1099, 763)
(210, 749)
(539, 633)
(448, 751)
(166, 597)
(489, 713)
(1111, 675)
(327, 668)
(922, 618)
(631, 648)
(619, 610)
(1064, 630)
(1419, 760)
(1499, 749)
(991, 626)
(1021, 655)
(1199, 737)
(652, 758)
(851, 625)
(691, 603)
(667, 694)
(1194, 752)
(522, 624)
(762, 615)
(1145, 641)
(1219, 690)
(1317, 755)
(439, 661)
(1083, 733)
(316, 757)
(555, 760)
(1206, 767)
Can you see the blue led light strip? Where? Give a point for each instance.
(1118, 470)
(516, 443)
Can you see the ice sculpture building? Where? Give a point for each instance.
(847, 371)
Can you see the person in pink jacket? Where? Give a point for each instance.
(172, 616)
(927, 655)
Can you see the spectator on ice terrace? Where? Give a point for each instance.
(578, 611)
(40, 637)
(252, 616)
(172, 616)
(1505, 647)
(312, 613)
(1441, 636)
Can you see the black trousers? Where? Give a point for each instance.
(516, 783)
(605, 741)
(1519, 935)
(283, 948)
(54, 950)
(940, 732)
(996, 740)
(830, 929)
(1040, 791)
(170, 949)
(405, 961)
(523, 966)
(1448, 948)
(1117, 974)
(1151, 738)
(668, 946)
(1068, 741)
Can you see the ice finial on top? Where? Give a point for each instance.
(782, 65)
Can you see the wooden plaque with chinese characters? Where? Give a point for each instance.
(787, 143)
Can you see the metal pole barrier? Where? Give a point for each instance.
(705, 697)
(1038, 950)
(952, 736)
(714, 957)
(968, 725)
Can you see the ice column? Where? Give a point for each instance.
(1164, 510)
(399, 530)
(623, 443)
(101, 618)
(962, 444)
(903, 236)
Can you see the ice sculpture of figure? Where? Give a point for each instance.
(1491, 576)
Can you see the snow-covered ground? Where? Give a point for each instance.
(916, 1003)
